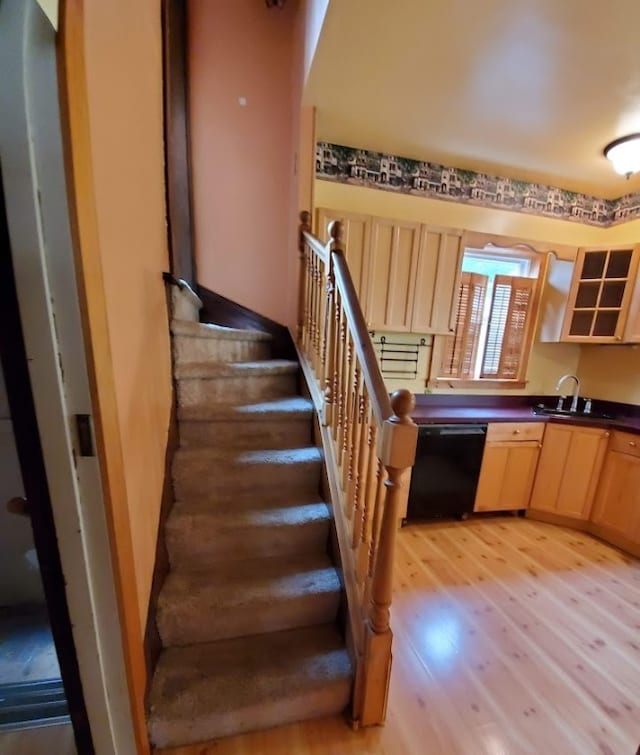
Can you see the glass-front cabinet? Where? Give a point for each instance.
(602, 306)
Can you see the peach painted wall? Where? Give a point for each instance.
(124, 74)
(242, 152)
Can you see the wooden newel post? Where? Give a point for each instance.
(305, 226)
(337, 236)
(397, 451)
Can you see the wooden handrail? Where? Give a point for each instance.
(380, 401)
(369, 442)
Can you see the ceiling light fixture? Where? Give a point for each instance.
(624, 153)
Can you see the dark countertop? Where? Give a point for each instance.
(434, 409)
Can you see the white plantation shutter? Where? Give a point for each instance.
(461, 348)
(508, 322)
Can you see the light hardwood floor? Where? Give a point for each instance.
(511, 637)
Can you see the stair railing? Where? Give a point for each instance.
(369, 442)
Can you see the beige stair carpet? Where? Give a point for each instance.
(247, 614)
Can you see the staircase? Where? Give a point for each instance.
(247, 614)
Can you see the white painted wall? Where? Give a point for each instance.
(19, 574)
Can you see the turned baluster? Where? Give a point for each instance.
(351, 441)
(359, 487)
(305, 227)
(329, 347)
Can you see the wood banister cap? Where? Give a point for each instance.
(403, 402)
(337, 233)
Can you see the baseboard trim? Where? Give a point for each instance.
(217, 308)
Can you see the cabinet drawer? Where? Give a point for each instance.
(625, 443)
(501, 431)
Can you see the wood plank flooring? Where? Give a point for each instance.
(511, 637)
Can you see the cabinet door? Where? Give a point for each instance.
(356, 244)
(600, 294)
(392, 267)
(617, 504)
(568, 471)
(506, 475)
(437, 275)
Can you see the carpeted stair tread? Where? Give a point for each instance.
(257, 595)
(241, 458)
(200, 533)
(205, 691)
(211, 330)
(245, 512)
(211, 370)
(289, 407)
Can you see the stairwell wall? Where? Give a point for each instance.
(123, 58)
(244, 104)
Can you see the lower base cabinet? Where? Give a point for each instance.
(617, 503)
(508, 466)
(569, 470)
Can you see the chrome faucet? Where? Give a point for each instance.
(576, 390)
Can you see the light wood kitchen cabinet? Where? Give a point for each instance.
(406, 274)
(508, 466)
(617, 503)
(437, 280)
(604, 299)
(393, 260)
(568, 470)
(356, 229)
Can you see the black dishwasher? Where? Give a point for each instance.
(445, 475)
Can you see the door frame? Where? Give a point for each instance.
(13, 360)
(46, 285)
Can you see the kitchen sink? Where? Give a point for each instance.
(549, 411)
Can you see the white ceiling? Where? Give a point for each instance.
(532, 89)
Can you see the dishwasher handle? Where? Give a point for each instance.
(457, 429)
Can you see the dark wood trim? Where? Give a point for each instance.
(223, 311)
(152, 641)
(177, 140)
(13, 360)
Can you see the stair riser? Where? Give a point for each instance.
(247, 435)
(194, 621)
(190, 349)
(211, 391)
(193, 543)
(327, 700)
(200, 478)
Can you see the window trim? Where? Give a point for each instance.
(540, 261)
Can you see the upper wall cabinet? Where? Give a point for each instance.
(604, 300)
(356, 229)
(405, 273)
(393, 259)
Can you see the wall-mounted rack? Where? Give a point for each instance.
(398, 359)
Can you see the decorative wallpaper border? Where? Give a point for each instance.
(377, 170)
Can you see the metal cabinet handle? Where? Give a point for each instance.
(632, 443)
(606, 435)
(516, 432)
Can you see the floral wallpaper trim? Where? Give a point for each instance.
(377, 170)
